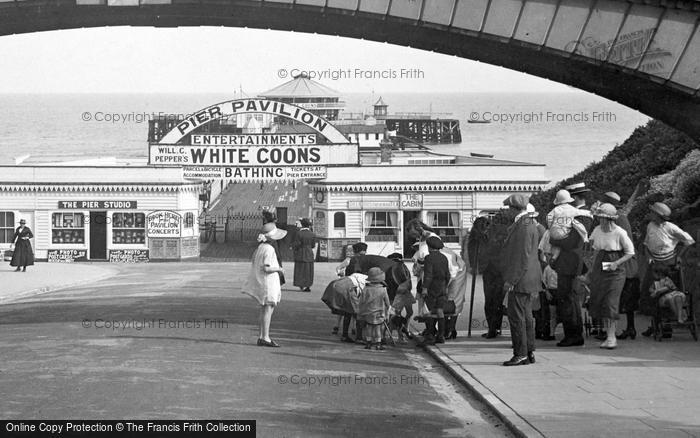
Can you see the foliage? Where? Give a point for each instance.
(654, 151)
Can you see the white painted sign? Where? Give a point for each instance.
(252, 139)
(367, 205)
(246, 106)
(163, 224)
(411, 201)
(252, 156)
(256, 174)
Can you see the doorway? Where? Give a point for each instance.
(408, 248)
(98, 235)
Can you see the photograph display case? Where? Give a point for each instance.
(129, 228)
(68, 228)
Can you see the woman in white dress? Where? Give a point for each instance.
(263, 282)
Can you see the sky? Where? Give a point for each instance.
(219, 59)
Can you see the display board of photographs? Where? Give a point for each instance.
(68, 228)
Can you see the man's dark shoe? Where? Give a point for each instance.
(567, 342)
(531, 357)
(648, 332)
(515, 361)
(347, 339)
(440, 340)
(490, 335)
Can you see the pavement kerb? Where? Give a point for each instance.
(517, 425)
(47, 289)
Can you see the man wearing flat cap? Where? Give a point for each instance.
(436, 275)
(568, 266)
(522, 275)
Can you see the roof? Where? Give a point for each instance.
(300, 86)
(71, 160)
(380, 102)
(361, 128)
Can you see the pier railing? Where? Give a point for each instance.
(417, 116)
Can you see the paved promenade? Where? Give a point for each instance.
(643, 388)
(48, 277)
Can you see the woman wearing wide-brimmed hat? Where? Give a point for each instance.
(263, 282)
(613, 248)
(23, 255)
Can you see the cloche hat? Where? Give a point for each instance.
(375, 275)
(517, 200)
(563, 197)
(607, 211)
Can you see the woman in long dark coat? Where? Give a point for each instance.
(303, 245)
(23, 255)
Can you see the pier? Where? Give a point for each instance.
(425, 128)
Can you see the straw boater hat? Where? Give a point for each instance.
(661, 209)
(607, 211)
(271, 231)
(613, 197)
(578, 188)
(375, 275)
(22, 221)
(563, 197)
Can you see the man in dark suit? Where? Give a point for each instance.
(568, 266)
(522, 277)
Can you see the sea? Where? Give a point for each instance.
(566, 131)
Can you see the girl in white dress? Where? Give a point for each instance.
(263, 282)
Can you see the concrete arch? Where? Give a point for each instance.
(644, 54)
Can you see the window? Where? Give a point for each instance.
(446, 224)
(189, 220)
(67, 228)
(339, 220)
(128, 228)
(7, 226)
(381, 226)
(376, 136)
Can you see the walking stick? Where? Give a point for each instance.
(388, 329)
(475, 272)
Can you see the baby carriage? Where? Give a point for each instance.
(664, 321)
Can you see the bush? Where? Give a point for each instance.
(652, 150)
